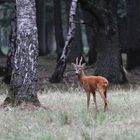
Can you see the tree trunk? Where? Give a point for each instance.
(92, 54)
(23, 86)
(109, 61)
(133, 34)
(133, 59)
(58, 28)
(77, 44)
(50, 34)
(11, 52)
(41, 23)
(4, 1)
(61, 65)
(122, 29)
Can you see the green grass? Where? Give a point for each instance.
(67, 118)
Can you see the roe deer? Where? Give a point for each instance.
(91, 84)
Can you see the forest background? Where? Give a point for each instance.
(106, 35)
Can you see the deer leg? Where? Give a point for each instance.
(88, 99)
(104, 99)
(105, 94)
(94, 98)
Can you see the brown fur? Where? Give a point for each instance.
(91, 84)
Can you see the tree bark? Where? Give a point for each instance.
(4, 1)
(133, 34)
(61, 65)
(50, 34)
(90, 32)
(11, 52)
(23, 86)
(109, 61)
(77, 44)
(58, 28)
(41, 23)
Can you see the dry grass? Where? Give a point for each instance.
(66, 118)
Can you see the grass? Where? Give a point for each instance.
(67, 118)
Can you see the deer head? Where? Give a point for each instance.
(78, 67)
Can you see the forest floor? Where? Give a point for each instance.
(66, 116)
(47, 65)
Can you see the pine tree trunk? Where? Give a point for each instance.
(109, 61)
(11, 52)
(133, 34)
(92, 54)
(23, 86)
(58, 28)
(41, 23)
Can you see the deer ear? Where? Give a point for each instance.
(73, 64)
(83, 65)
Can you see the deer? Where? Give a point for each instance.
(91, 84)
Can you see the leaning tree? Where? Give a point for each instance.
(23, 86)
(61, 65)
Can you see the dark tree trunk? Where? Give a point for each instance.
(133, 34)
(109, 61)
(4, 1)
(133, 59)
(58, 27)
(122, 29)
(11, 53)
(41, 23)
(77, 44)
(61, 65)
(23, 86)
(92, 54)
(50, 34)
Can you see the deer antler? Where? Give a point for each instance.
(80, 60)
(77, 61)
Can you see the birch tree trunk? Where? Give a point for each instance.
(77, 44)
(23, 86)
(61, 65)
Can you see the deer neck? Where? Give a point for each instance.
(81, 75)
